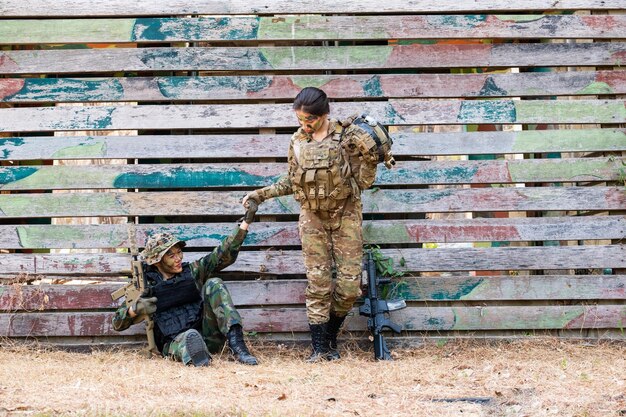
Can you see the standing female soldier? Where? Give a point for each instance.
(328, 169)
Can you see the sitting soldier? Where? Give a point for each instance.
(192, 312)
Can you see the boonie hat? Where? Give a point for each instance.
(157, 245)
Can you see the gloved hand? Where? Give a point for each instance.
(145, 306)
(252, 207)
(252, 196)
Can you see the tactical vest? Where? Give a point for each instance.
(322, 177)
(179, 305)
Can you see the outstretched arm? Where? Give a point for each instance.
(279, 188)
(223, 255)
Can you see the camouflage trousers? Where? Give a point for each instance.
(332, 238)
(218, 315)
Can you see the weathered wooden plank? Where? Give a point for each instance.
(309, 27)
(286, 233)
(63, 177)
(462, 259)
(207, 203)
(460, 318)
(62, 324)
(466, 288)
(457, 318)
(36, 8)
(392, 112)
(26, 266)
(508, 287)
(266, 146)
(294, 320)
(285, 87)
(16, 298)
(290, 262)
(169, 146)
(531, 141)
(68, 61)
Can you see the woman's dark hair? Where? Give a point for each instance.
(313, 101)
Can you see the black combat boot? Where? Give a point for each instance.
(197, 349)
(332, 330)
(238, 347)
(318, 341)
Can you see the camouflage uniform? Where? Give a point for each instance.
(218, 313)
(331, 217)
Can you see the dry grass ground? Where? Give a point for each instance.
(460, 378)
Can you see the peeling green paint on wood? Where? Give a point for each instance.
(596, 88)
(185, 178)
(50, 89)
(65, 31)
(392, 112)
(26, 90)
(16, 174)
(286, 233)
(608, 111)
(531, 140)
(320, 58)
(543, 318)
(457, 293)
(573, 170)
(504, 288)
(64, 235)
(311, 57)
(45, 178)
(204, 28)
(20, 204)
(197, 87)
(91, 148)
(406, 143)
(502, 111)
(289, 262)
(306, 27)
(208, 203)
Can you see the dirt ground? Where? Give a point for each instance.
(458, 378)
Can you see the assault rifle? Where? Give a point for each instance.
(376, 309)
(135, 288)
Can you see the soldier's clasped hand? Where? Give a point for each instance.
(252, 207)
(145, 306)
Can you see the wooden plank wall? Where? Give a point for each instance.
(505, 211)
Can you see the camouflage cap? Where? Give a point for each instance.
(157, 245)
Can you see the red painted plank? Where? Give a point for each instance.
(287, 320)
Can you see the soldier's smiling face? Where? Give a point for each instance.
(172, 262)
(310, 123)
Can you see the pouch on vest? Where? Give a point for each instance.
(315, 157)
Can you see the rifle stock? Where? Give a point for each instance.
(376, 309)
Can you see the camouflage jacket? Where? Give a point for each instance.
(222, 256)
(363, 164)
